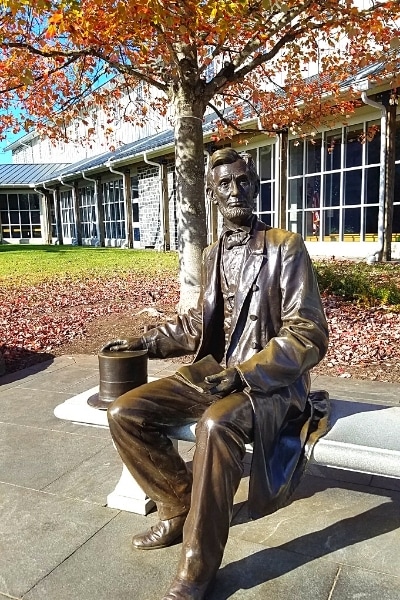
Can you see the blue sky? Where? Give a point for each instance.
(5, 157)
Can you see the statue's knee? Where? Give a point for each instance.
(122, 408)
(114, 411)
(211, 422)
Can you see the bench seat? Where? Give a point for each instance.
(364, 438)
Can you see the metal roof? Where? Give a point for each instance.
(26, 174)
(164, 139)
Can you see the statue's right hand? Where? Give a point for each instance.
(135, 343)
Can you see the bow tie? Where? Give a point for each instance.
(236, 238)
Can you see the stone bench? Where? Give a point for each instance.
(364, 438)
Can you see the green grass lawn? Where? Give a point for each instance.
(30, 264)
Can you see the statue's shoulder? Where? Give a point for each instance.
(282, 237)
(210, 251)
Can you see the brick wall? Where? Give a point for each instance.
(149, 206)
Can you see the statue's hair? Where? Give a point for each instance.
(227, 156)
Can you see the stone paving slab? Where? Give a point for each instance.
(91, 480)
(350, 523)
(339, 538)
(361, 584)
(35, 408)
(39, 531)
(106, 567)
(68, 379)
(34, 458)
(146, 575)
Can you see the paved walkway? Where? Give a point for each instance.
(338, 540)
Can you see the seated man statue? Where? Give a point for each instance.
(258, 329)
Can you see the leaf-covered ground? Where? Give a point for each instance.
(77, 315)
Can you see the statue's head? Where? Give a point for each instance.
(233, 183)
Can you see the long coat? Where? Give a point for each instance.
(278, 333)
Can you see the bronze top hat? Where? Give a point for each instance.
(119, 373)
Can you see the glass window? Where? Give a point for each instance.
(266, 218)
(371, 221)
(372, 185)
(114, 210)
(312, 200)
(331, 224)
(295, 157)
(265, 197)
(24, 216)
(296, 194)
(13, 202)
(353, 147)
(3, 202)
(25, 231)
(4, 217)
(135, 212)
(34, 201)
(296, 221)
(67, 215)
(35, 217)
(352, 187)
(23, 201)
(134, 188)
(313, 186)
(87, 212)
(266, 162)
(333, 149)
(332, 190)
(352, 222)
(373, 141)
(313, 155)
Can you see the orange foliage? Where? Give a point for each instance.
(245, 56)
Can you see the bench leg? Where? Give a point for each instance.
(129, 496)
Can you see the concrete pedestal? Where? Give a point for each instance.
(127, 495)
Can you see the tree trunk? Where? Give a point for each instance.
(189, 167)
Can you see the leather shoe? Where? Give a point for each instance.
(180, 589)
(161, 535)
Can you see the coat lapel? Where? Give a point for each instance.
(250, 269)
(212, 282)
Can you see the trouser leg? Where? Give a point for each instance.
(136, 421)
(221, 435)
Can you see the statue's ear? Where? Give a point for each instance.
(210, 195)
(256, 188)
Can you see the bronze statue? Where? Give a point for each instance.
(258, 329)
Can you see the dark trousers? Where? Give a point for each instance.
(223, 428)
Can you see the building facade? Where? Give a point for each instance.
(332, 193)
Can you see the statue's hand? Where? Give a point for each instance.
(226, 381)
(135, 343)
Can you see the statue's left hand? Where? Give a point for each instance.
(227, 381)
(119, 345)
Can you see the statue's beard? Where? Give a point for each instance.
(238, 214)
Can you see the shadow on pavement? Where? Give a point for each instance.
(263, 566)
(20, 362)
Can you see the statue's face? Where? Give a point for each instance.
(234, 192)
